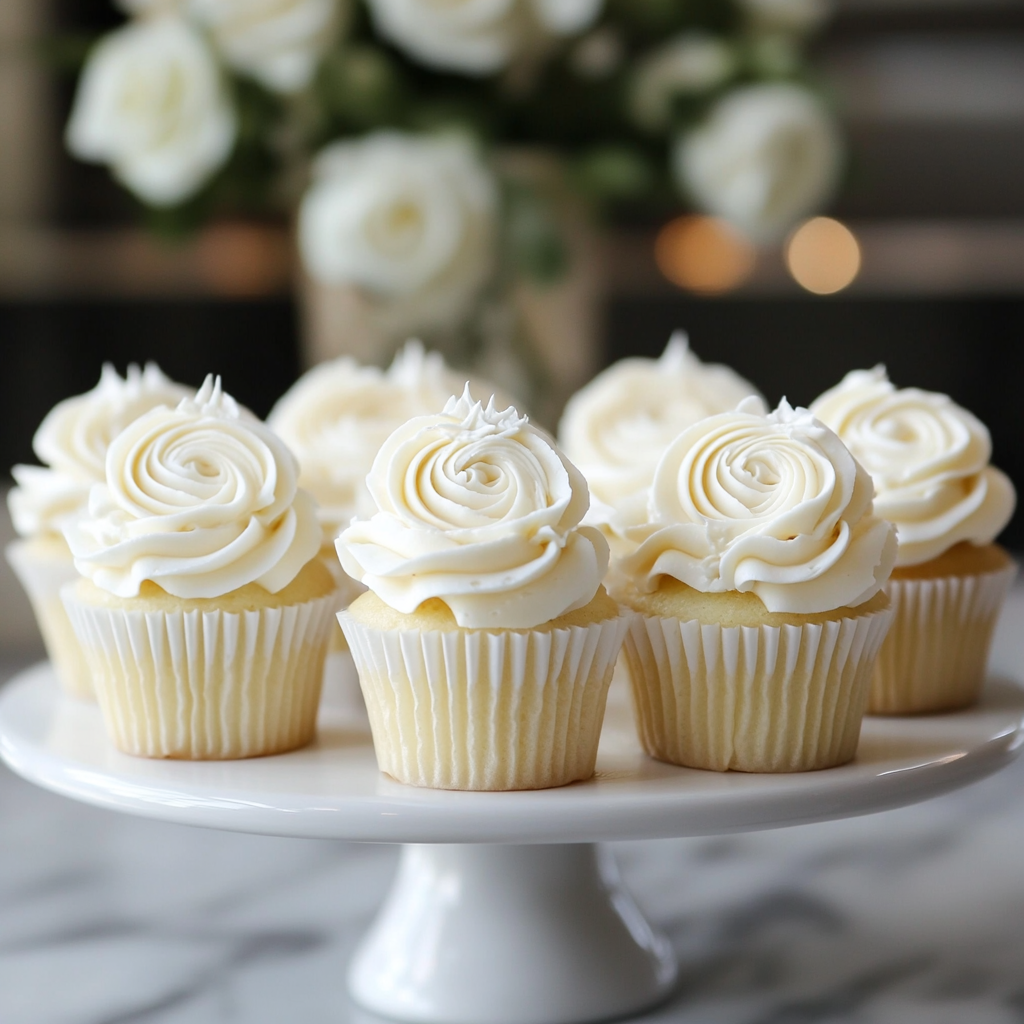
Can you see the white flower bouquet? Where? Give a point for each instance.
(386, 124)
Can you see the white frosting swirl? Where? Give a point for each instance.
(774, 505)
(72, 441)
(200, 500)
(617, 428)
(43, 500)
(480, 509)
(478, 37)
(336, 417)
(928, 458)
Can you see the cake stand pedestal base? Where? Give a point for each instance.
(475, 934)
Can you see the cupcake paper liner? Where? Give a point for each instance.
(935, 655)
(486, 710)
(752, 698)
(206, 685)
(42, 578)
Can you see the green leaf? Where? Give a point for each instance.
(65, 52)
(534, 243)
(362, 86)
(613, 172)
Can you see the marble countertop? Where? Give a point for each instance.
(913, 916)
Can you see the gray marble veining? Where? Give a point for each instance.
(914, 916)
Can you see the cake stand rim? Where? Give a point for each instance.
(680, 803)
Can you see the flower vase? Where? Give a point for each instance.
(540, 338)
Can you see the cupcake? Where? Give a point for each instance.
(757, 588)
(485, 643)
(929, 460)
(203, 610)
(72, 442)
(335, 418)
(617, 427)
(337, 415)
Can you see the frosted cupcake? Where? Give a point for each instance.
(757, 585)
(203, 611)
(617, 427)
(486, 643)
(72, 442)
(337, 415)
(929, 460)
(335, 418)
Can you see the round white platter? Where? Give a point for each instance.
(537, 930)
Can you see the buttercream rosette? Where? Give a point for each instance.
(756, 582)
(198, 555)
(338, 414)
(617, 427)
(487, 644)
(929, 460)
(335, 418)
(72, 443)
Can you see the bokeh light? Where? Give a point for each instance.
(704, 255)
(823, 256)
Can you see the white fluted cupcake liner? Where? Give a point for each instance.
(482, 710)
(42, 577)
(206, 685)
(752, 698)
(935, 655)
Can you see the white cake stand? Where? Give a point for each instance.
(518, 918)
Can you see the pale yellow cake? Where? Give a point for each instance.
(313, 581)
(676, 600)
(435, 615)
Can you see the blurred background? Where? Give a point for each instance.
(870, 211)
(929, 99)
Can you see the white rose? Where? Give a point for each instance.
(617, 428)
(150, 8)
(766, 156)
(796, 16)
(479, 509)
(687, 65)
(277, 42)
(152, 105)
(928, 458)
(201, 500)
(478, 37)
(771, 505)
(410, 220)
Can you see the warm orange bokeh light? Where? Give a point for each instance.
(703, 254)
(242, 260)
(823, 256)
